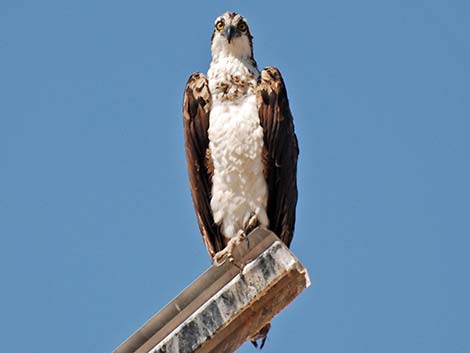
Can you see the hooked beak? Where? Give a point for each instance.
(231, 32)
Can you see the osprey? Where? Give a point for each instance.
(241, 148)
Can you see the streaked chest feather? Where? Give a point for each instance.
(232, 79)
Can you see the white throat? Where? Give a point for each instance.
(239, 47)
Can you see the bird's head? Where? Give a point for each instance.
(232, 36)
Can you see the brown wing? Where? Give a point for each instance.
(280, 152)
(196, 109)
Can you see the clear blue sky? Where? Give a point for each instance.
(96, 222)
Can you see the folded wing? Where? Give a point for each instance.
(196, 109)
(280, 153)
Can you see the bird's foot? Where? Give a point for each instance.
(227, 252)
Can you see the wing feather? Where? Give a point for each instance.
(280, 152)
(196, 109)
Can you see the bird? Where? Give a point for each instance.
(241, 147)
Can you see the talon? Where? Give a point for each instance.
(219, 260)
(221, 257)
(245, 237)
(231, 259)
(242, 236)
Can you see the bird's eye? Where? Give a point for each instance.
(219, 25)
(242, 26)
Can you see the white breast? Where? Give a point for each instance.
(239, 190)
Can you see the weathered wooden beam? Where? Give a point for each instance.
(221, 309)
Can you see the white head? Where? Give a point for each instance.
(232, 37)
